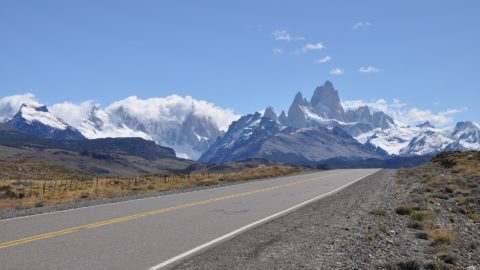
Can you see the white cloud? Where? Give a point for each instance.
(378, 105)
(10, 105)
(337, 71)
(360, 25)
(323, 60)
(174, 108)
(313, 46)
(171, 108)
(72, 113)
(284, 36)
(404, 114)
(278, 51)
(369, 69)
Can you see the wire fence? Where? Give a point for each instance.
(32, 188)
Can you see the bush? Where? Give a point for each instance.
(378, 212)
(450, 188)
(7, 192)
(420, 215)
(422, 235)
(440, 237)
(416, 225)
(410, 265)
(404, 210)
(39, 204)
(449, 258)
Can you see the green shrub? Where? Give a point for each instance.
(420, 215)
(378, 212)
(404, 210)
(410, 265)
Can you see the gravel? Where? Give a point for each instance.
(338, 232)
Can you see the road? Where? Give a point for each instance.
(155, 232)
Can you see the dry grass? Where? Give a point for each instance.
(378, 212)
(38, 170)
(440, 236)
(34, 193)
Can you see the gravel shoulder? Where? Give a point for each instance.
(337, 232)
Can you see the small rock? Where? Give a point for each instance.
(471, 268)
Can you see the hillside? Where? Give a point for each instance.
(108, 156)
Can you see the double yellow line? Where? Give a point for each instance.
(149, 213)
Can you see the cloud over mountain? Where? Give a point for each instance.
(405, 114)
(10, 105)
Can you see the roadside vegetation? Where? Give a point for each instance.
(28, 184)
(442, 206)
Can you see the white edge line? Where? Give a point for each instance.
(153, 197)
(246, 227)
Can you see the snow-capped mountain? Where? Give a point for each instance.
(39, 122)
(97, 124)
(325, 110)
(466, 136)
(185, 124)
(263, 136)
(426, 142)
(10, 105)
(281, 137)
(194, 128)
(424, 139)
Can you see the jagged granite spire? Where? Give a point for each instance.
(426, 124)
(296, 116)
(270, 113)
(283, 118)
(326, 102)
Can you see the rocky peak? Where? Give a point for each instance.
(299, 100)
(41, 109)
(468, 131)
(296, 116)
(283, 118)
(426, 124)
(94, 118)
(326, 101)
(270, 113)
(382, 120)
(462, 125)
(39, 122)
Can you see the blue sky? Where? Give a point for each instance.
(246, 55)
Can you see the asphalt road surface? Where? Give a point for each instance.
(157, 232)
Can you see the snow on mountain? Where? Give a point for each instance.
(40, 114)
(427, 142)
(407, 141)
(467, 135)
(325, 110)
(392, 139)
(257, 136)
(189, 126)
(39, 122)
(192, 126)
(10, 105)
(97, 124)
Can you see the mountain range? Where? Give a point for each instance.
(310, 131)
(187, 125)
(320, 129)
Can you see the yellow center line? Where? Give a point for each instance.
(151, 213)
